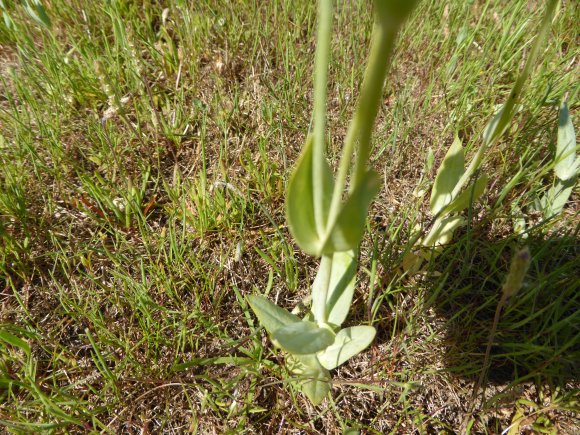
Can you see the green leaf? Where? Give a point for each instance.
(300, 206)
(448, 175)
(348, 343)
(442, 231)
(349, 227)
(15, 341)
(469, 195)
(270, 315)
(491, 131)
(566, 165)
(335, 300)
(303, 337)
(314, 380)
(553, 202)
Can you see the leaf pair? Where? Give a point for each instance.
(314, 349)
(338, 233)
(446, 195)
(447, 198)
(299, 337)
(313, 370)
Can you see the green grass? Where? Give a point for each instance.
(129, 240)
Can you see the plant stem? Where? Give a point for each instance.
(380, 58)
(509, 107)
(490, 338)
(362, 123)
(320, 83)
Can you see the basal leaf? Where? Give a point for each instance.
(341, 269)
(300, 206)
(314, 379)
(465, 198)
(566, 167)
(270, 315)
(448, 175)
(303, 337)
(348, 343)
(412, 262)
(349, 227)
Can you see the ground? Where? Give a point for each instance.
(146, 149)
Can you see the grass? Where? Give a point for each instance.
(145, 157)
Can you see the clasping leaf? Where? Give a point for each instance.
(303, 337)
(270, 315)
(300, 206)
(348, 343)
(348, 230)
(334, 300)
(566, 163)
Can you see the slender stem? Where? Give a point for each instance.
(490, 338)
(477, 386)
(510, 105)
(320, 83)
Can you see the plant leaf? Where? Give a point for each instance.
(314, 379)
(566, 167)
(300, 207)
(553, 202)
(411, 262)
(349, 227)
(490, 132)
(342, 270)
(303, 337)
(341, 289)
(270, 315)
(448, 175)
(465, 198)
(442, 231)
(348, 343)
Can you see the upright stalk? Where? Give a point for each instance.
(320, 82)
(494, 132)
(362, 123)
(379, 60)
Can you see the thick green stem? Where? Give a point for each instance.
(320, 82)
(362, 123)
(380, 58)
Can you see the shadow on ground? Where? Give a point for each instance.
(537, 336)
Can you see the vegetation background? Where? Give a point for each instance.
(145, 148)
